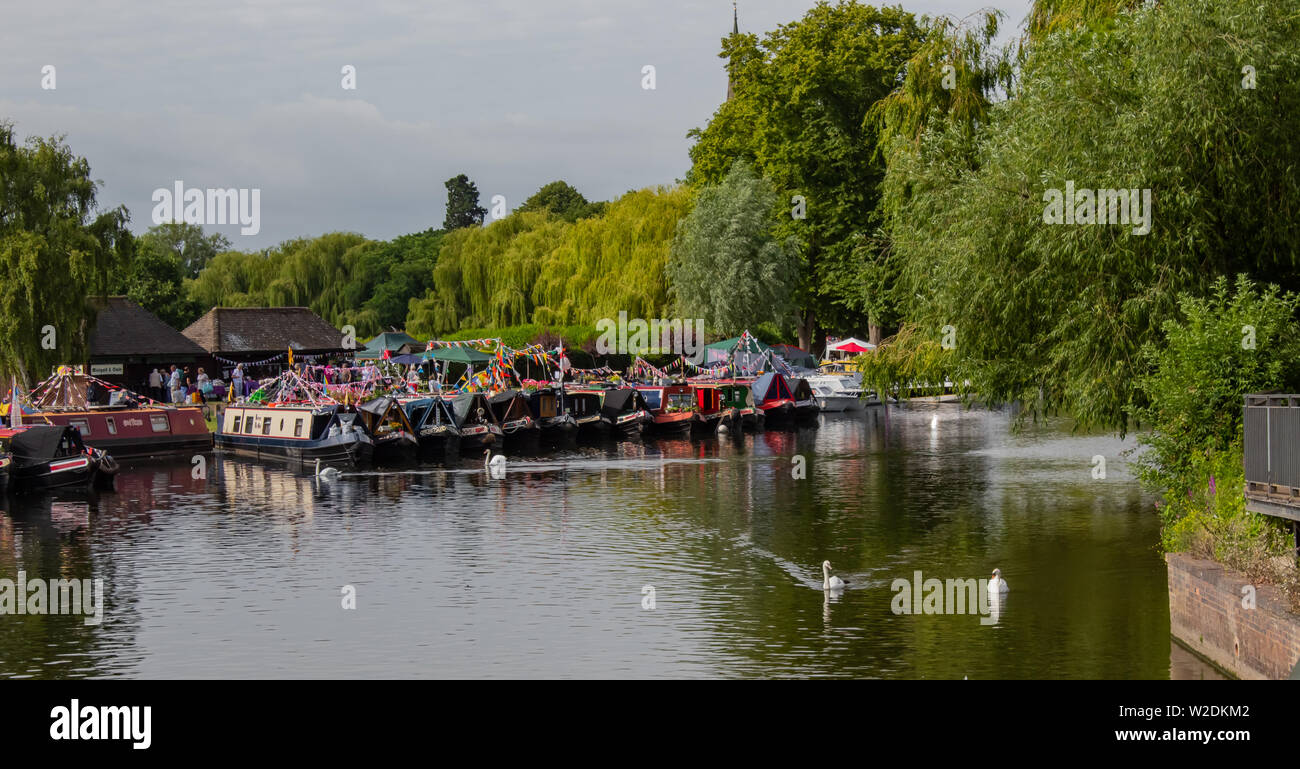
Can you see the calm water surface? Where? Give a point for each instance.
(542, 574)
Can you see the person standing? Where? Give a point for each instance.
(156, 385)
(174, 384)
(237, 381)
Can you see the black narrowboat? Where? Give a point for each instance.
(54, 456)
(390, 430)
(518, 428)
(474, 421)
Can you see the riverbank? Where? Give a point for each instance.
(1246, 630)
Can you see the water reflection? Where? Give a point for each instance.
(539, 572)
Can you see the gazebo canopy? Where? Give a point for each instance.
(458, 355)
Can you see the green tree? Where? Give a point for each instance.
(725, 265)
(463, 209)
(801, 112)
(56, 249)
(562, 200)
(1055, 316)
(155, 281)
(188, 242)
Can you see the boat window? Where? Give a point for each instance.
(112, 425)
(266, 425)
(248, 425)
(297, 429)
(234, 427)
(651, 397)
(159, 423)
(82, 425)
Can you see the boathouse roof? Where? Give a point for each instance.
(240, 330)
(124, 328)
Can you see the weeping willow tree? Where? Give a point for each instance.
(56, 250)
(1191, 102)
(532, 267)
(340, 276)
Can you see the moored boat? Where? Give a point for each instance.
(122, 426)
(296, 432)
(434, 421)
(625, 411)
(583, 406)
(547, 407)
(836, 393)
(54, 456)
(672, 408)
(774, 398)
(712, 413)
(390, 430)
(805, 403)
(510, 408)
(475, 423)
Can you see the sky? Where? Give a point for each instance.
(249, 95)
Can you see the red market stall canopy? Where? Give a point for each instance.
(850, 346)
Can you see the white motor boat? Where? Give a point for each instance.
(836, 392)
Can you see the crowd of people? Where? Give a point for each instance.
(178, 385)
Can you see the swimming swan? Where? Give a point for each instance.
(495, 465)
(997, 585)
(329, 473)
(830, 582)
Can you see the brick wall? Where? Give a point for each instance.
(1207, 615)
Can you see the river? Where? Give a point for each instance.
(661, 558)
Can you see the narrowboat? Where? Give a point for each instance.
(740, 396)
(547, 407)
(583, 407)
(510, 408)
(434, 421)
(6, 459)
(625, 412)
(773, 396)
(296, 432)
(474, 421)
(672, 408)
(805, 403)
(390, 431)
(54, 456)
(712, 413)
(122, 427)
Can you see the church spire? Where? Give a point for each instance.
(735, 30)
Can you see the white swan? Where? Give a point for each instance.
(495, 465)
(997, 585)
(328, 473)
(829, 581)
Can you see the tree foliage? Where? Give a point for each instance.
(726, 267)
(463, 209)
(530, 267)
(563, 201)
(56, 250)
(1055, 316)
(801, 112)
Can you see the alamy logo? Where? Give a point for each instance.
(60, 596)
(1098, 207)
(78, 722)
(211, 206)
(936, 596)
(637, 336)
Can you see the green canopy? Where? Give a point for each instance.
(458, 355)
(719, 350)
(393, 341)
